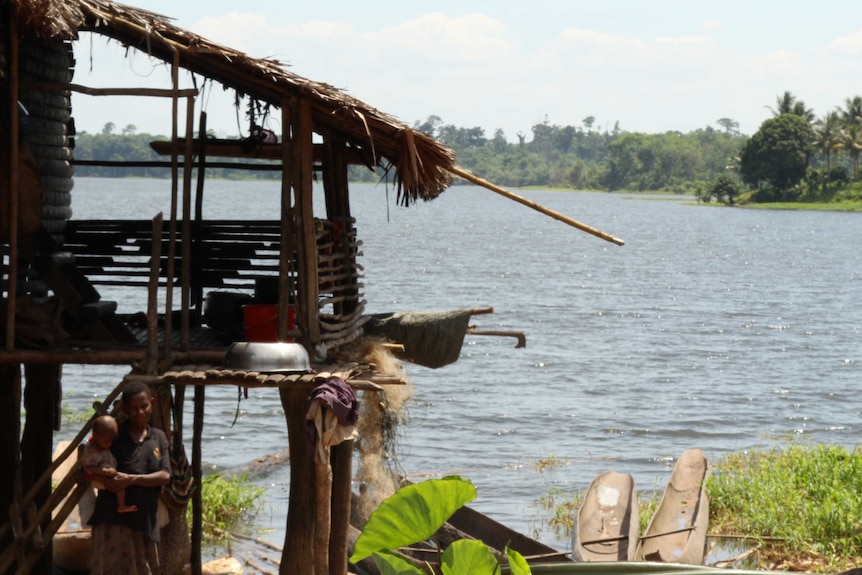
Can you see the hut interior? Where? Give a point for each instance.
(299, 271)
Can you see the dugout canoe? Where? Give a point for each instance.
(677, 531)
(607, 523)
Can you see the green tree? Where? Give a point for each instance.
(108, 128)
(852, 141)
(778, 153)
(730, 126)
(827, 134)
(724, 189)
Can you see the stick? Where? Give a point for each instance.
(470, 177)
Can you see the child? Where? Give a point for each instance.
(100, 462)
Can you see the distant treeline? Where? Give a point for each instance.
(555, 156)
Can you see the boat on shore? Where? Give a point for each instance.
(607, 524)
(677, 531)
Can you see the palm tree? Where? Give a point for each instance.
(852, 109)
(828, 136)
(852, 142)
(787, 103)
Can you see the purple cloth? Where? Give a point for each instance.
(340, 398)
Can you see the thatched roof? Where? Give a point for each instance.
(421, 163)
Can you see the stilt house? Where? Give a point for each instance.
(58, 272)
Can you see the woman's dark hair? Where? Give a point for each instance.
(134, 388)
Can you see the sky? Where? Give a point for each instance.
(648, 65)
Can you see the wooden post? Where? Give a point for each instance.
(336, 189)
(197, 515)
(303, 157)
(41, 400)
(342, 475)
(153, 299)
(172, 223)
(185, 280)
(323, 509)
(10, 448)
(197, 280)
(12, 146)
(285, 256)
(297, 557)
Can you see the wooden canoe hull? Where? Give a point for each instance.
(677, 531)
(607, 524)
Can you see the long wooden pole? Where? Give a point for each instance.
(12, 213)
(473, 178)
(172, 222)
(186, 246)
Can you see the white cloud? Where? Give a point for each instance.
(848, 45)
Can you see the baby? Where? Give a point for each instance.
(100, 462)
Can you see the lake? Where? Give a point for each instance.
(716, 328)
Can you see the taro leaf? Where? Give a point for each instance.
(517, 564)
(412, 514)
(468, 557)
(391, 564)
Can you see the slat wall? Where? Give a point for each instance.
(229, 255)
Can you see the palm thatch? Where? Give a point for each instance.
(421, 163)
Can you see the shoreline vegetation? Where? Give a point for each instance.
(790, 507)
(795, 160)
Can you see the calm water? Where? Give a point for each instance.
(720, 329)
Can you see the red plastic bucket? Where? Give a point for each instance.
(261, 321)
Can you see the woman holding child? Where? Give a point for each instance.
(127, 542)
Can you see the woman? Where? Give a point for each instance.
(127, 543)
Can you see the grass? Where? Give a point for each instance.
(799, 506)
(796, 500)
(227, 505)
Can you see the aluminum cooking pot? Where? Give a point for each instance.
(268, 357)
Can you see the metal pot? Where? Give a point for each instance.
(267, 357)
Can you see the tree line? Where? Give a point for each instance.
(794, 155)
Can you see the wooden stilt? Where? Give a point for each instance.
(40, 401)
(197, 515)
(342, 475)
(323, 509)
(298, 558)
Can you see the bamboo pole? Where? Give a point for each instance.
(473, 178)
(148, 92)
(185, 280)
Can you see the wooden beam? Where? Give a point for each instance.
(138, 92)
(222, 148)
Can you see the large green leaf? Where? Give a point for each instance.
(412, 514)
(517, 564)
(468, 557)
(391, 564)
